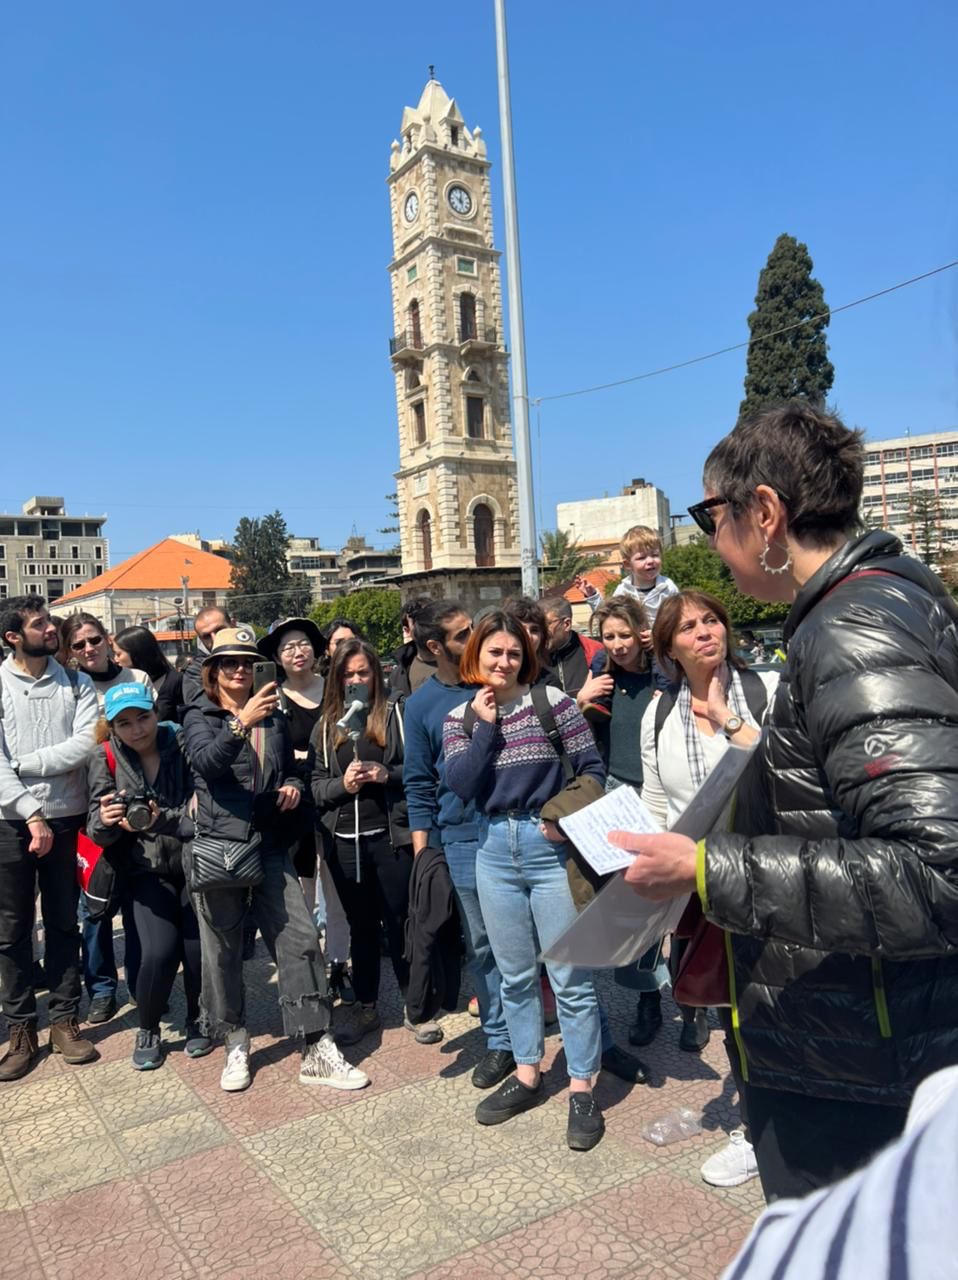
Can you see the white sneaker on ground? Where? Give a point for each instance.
(236, 1076)
(733, 1165)
(324, 1064)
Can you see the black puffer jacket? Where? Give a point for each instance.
(224, 772)
(157, 851)
(842, 901)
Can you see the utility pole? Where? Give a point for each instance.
(520, 394)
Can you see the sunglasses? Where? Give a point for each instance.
(236, 664)
(79, 645)
(701, 513)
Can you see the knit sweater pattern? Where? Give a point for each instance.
(511, 764)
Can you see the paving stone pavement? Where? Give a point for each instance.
(108, 1172)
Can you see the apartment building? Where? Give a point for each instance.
(897, 469)
(46, 552)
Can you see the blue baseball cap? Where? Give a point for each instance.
(128, 694)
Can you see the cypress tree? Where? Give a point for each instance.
(793, 364)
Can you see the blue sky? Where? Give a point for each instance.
(194, 233)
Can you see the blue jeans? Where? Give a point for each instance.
(525, 901)
(96, 945)
(486, 980)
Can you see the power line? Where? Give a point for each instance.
(738, 346)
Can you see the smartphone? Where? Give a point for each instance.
(263, 673)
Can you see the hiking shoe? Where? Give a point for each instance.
(324, 1064)
(198, 1043)
(549, 1012)
(695, 1033)
(493, 1067)
(102, 1009)
(472, 1008)
(733, 1165)
(341, 984)
(148, 1052)
(236, 1076)
(586, 1125)
(425, 1032)
(648, 1019)
(22, 1052)
(366, 1020)
(509, 1100)
(625, 1065)
(65, 1039)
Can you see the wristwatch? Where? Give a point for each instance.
(732, 725)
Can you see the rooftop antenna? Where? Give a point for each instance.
(432, 72)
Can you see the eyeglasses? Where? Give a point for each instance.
(79, 645)
(296, 646)
(236, 664)
(701, 513)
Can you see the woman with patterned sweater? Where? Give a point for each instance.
(499, 755)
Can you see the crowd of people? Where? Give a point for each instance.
(418, 816)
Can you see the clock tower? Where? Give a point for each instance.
(456, 482)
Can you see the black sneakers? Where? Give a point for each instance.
(586, 1125)
(102, 1009)
(509, 1100)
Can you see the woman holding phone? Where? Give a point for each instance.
(357, 787)
(246, 785)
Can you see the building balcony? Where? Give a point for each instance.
(473, 339)
(406, 345)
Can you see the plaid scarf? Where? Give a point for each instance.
(693, 744)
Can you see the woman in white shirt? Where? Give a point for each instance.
(685, 732)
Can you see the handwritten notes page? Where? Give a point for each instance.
(618, 810)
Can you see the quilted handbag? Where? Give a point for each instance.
(225, 864)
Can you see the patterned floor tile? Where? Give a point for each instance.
(114, 1211)
(152, 1255)
(39, 1092)
(159, 1141)
(18, 1257)
(62, 1167)
(128, 1098)
(494, 1201)
(63, 1124)
(8, 1196)
(674, 1215)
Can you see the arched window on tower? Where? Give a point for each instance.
(414, 328)
(467, 317)
(412, 376)
(475, 417)
(483, 537)
(425, 534)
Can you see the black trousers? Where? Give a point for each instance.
(21, 874)
(169, 933)
(379, 900)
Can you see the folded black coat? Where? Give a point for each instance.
(432, 939)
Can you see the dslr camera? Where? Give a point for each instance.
(136, 810)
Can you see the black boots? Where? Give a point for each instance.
(648, 1018)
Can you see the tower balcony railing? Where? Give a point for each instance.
(406, 345)
(474, 336)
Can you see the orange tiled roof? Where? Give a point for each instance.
(160, 568)
(600, 578)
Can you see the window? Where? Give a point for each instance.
(419, 422)
(97, 571)
(483, 537)
(3, 570)
(98, 553)
(466, 266)
(454, 135)
(3, 552)
(29, 550)
(467, 316)
(7, 527)
(475, 413)
(414, 334)
(209, 599)
(75, 552)
(412, 376)
(425, 534)
(3, 591)
(53, 551)
(411, 273)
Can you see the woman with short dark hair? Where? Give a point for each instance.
(840, 904)
(137, 647)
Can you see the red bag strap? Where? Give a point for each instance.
(860, 573)
(110, 759)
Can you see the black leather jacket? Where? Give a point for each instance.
(224, 773)
(842, 898)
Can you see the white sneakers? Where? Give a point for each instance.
(733, 1165)
(236, 1076)
(324, 1064)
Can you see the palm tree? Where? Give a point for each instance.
(563, 557)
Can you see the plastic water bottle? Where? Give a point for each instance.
(675, 1126)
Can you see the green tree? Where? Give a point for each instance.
(262, 587)
(925, 514)
(694, 565)
(393, 527)
(563, 557)
(375, 609)
(796, 363)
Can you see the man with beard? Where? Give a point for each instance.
(46, 735)
(205, 626)
(569, 653)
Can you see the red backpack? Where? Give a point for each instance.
(96, 874)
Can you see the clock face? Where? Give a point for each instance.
(411, 207)
(460, 201)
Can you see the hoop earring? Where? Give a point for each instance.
(767, 568)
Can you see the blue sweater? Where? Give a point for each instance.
(512, 764)
(432, 805)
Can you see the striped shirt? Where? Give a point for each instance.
(512, 764)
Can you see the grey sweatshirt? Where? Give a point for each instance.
(46, 738)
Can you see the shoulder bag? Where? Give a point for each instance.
(231, 864)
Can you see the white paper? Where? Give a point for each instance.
(588, 829)
(618, 925)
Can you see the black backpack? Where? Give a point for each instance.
(756, 696)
